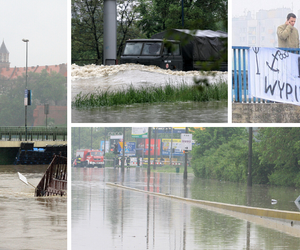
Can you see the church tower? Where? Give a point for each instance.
(4, 56)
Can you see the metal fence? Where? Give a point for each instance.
(33, 134)
(240, 74)
(54, 181)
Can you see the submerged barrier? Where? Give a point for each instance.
(263, 212)
(54, 181)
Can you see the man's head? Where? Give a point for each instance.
(291, 18)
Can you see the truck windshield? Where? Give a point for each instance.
(133, 48)
(97, 153)
(152, 49)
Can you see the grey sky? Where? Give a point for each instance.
(241, 7)
(43, 22)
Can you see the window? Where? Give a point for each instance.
(133, 48)
(152, 49)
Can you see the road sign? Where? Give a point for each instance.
(186, 141)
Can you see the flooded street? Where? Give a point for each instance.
(116, 218)
(92, 79)
(183, 112)
(27, 222)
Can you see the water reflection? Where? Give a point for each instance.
(212, 112)
(121, 219)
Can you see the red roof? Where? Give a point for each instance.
(12, 73)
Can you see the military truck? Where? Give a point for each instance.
(157, 52)
(179, 50)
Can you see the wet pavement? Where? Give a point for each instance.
(114, 218)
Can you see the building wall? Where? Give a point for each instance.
(265, 113)
(259, 29)
(58, 113)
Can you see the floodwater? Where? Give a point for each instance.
(113, 218)
(180, 112)
(92, 79)
(27, 222)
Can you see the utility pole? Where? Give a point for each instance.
(249, 177)
(123, 158)
(171, 146)
(185, 160)
(149, 150)
(155, 136)
(91, 138)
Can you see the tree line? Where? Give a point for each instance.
(139, 19)
(46, 87)
(222, 154)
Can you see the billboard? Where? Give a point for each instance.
(139, 132)
(158, 145)
(130, 149)
(166, 147)
(107, 149)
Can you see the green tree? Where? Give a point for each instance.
(45, 88)
(221, 153)
(87, 31)
(160, 15)
(279, 149)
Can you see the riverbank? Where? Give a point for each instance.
(152, 94)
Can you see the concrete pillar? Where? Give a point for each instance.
(110, 32)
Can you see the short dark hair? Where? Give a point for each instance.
(290, 15)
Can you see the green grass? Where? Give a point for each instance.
(153, 94)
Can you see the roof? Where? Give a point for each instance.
(3, 48)
(13, 73)
(204, 33)
(149, 40)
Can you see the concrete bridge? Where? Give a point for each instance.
(40, 136)
(15, 139)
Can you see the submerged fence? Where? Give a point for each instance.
(240, 79)
(54, 181)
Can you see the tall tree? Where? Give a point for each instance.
(87, 31)
(281, 148)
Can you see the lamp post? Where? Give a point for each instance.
(26, 91)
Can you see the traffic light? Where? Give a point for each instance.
(116, 149)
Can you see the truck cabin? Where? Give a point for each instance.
(165, 54)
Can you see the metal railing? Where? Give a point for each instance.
(33, 134)
(54, 181)
(240, 81)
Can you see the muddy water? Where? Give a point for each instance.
(181, 112)
(93, 79)
(113, 218)
(27, 222)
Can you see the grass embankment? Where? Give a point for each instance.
(152, 94)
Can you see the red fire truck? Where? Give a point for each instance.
(89, 158)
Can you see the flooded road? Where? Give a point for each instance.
(27, 222)
(93, 79)
(115, 218)
(183, 112)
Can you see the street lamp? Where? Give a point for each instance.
(26, 91)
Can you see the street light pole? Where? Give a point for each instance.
(26, 104)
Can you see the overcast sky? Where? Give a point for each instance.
(43, 22)
(241, 7)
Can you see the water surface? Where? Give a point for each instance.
(180, 112)
(27, 222)
(116, 218)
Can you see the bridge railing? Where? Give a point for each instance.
(240, 81)
(33, 134)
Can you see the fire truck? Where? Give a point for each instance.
(89, 158)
